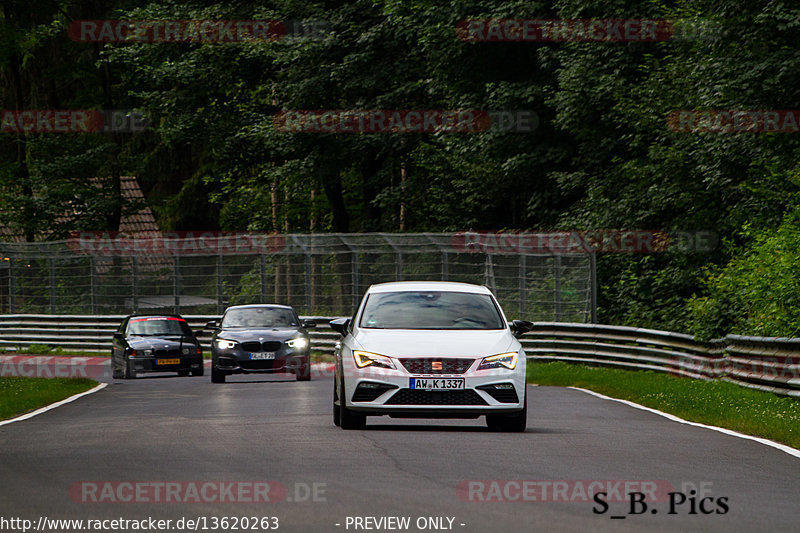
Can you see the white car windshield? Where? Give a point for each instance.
(430, 310)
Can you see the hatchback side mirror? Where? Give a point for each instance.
(309, 324)
(520, 327)
(340, 325)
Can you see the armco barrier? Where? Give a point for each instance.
(770, 364)
(765, 363)
(93, 333)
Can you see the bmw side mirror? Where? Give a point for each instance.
(212, 324)
(520, 327)
(309, 324)
(340, 325)
(118, 336)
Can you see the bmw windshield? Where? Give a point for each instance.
(259, 317)
(431, 310)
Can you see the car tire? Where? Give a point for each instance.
(183, 373)
(198, 372)
(116, 372)
(337, 413)
(128, 371)
(348, 418)
(514, 423)
(217, 376)
(303, 373)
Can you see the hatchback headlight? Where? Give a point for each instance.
(225, 344)
(300, 343)
(503, 360)
(364, 359)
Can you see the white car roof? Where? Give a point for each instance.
(451, 286)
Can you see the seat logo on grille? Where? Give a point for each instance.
(436, 365)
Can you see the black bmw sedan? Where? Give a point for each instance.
(260, 338)
(155, 343)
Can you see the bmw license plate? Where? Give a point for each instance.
(261, 356)
(168, 361)
(437, 383)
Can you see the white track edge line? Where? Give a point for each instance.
(53, 405)
(777, 445)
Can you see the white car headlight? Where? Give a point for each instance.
(364, 359)
(225, 344)
(503, 360)
(299, 343)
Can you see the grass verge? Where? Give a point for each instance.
(715, 403)
(21, 395)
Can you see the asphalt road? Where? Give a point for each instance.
(278, 433)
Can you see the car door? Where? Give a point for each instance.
(118, 345)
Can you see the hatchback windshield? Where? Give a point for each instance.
(259, 317)
(158, 325)
(430, 310)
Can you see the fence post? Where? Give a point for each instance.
(11, 302)
(135, 283)
(175, 282)
(52, 266)
(593, 278)
(262, 261)
(445, 266)
(308, 283)
(557, 266)
(355, 280)
(219, 285)
(523, 292)
(93, 284)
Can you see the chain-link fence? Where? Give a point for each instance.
(318, 274)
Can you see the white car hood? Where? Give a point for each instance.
(436, 343)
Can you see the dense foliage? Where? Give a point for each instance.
(602, 155)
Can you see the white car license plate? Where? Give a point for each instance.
(262, 355)
(437, 383)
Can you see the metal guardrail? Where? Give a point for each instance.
(765, 363)
(93, 333)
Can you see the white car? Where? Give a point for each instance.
(430, 350)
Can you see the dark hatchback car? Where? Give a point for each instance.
(155, 343)
(260, 338)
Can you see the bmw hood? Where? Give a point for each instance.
(437, 343)
(262, 334)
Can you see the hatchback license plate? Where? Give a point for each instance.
(437, 383)
(262, 355)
